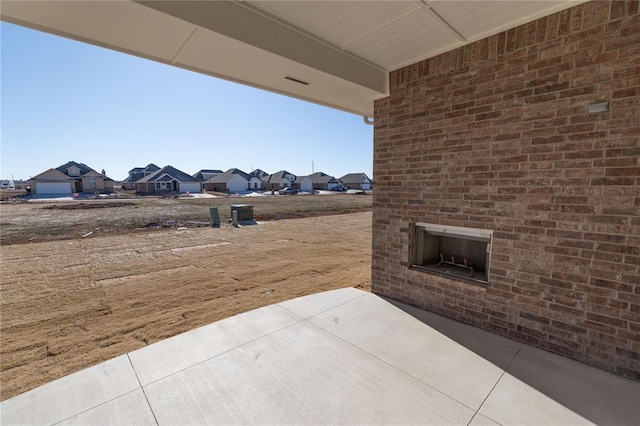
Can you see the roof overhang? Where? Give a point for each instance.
(335, 53)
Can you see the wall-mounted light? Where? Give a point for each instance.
(598, 107)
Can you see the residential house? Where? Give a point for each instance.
(233, 180)
(52, 182)
(303, 183)
(257, 179)
(356, 181)
(168, 180)
(138, 173)
(206, 174)
(323, 181)
(71, 178)
(279, 180)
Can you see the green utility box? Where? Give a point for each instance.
(245, 212)
(215, 217)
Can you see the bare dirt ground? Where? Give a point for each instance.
(48, 220)
(72, 303)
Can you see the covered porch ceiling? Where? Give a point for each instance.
(334, 53)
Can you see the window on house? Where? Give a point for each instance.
(92, 184)
(451, 250)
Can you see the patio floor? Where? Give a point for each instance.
(339, 357)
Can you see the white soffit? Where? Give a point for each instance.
(207, 50)
(394, 34)
(476, 20)
(399, 42)
(122, 25)
(338, 22)
(343, 49)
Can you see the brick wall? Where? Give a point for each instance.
(496, 135)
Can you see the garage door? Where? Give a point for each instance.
(53, 188)
(190, 187)
(238, 185)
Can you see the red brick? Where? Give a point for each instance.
(550, 139)
(631, 7)
(625, 93)
(606, 320)
(633, 250)
(496, 135)
(594, 153)
(589, 15)
(613, 181)
(623, 171)
(616, 162)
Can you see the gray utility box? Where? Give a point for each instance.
(215, 216)
(245, 212)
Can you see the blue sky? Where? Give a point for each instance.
(64, 100)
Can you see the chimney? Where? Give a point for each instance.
(104, 173)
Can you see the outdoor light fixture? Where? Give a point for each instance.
(599, 107)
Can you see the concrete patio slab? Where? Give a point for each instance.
(177, 353)
(599, 396)
(129, 409)
(300, 375)
(602, 397)
(496, 349)
(308, 306)
(513, 402)
(418, 350)
(356, 358)
(71, 395)
(480, 420)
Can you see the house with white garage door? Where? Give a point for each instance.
(303, 183)
(70, 178)
(356, 181)
(233, 180)
(52, 182)
(324, 181)
(168, 180)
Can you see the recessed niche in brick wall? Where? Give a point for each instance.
(452, 251)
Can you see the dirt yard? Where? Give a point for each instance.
(72, 303)
(55, 220)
